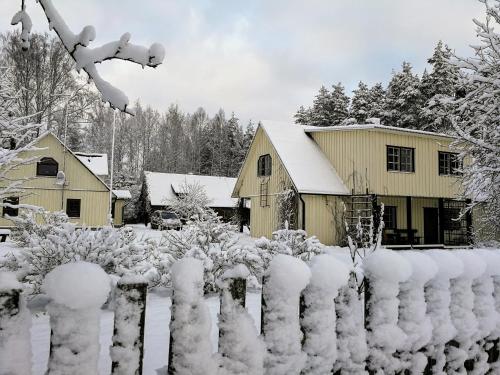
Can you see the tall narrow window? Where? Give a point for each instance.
(47, 167)
(73, 207)
(264, 166)
(449, 164)
(264, 194)
(400, 159)
(390, 217)
(7, 209)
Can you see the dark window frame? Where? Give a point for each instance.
(264, 166)
(12, 212)
(400, 159)
(264, 194)
(449, 164)
(392, 223)
(45, 167)
(71, 210)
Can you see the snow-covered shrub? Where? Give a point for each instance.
(413, 320)
(116, 250)
(485, 311)
(438, 298)
(191, 202)
(77, 291)
(318, 320)
(15, 338)
(190, 324)
(384, 270)
(38, 223)
(285, 279)
(462, 311)
(286, 202)
(213, 242)
(240, 347)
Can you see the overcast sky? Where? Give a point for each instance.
(263, 58)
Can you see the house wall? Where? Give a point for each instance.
(263, 220)
(324, 218)
(359, 156)
(80, 184)
(119, 206)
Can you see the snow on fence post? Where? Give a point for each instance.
(413, 320)
(318, 317)
(77, 291)
(127, 352)
(190, 350)
(241, 349)
(462, 313)
(494, 349)
(15, 323)
(438, 298)
(286, 278)
(485, 311)
(384, 269)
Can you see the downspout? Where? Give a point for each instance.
(303, 212)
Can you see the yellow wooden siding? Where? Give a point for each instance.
(118, 219)
(80, 184)
(324, 218)
(359, 156)
(263, 220)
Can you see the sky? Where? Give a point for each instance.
(262, 59)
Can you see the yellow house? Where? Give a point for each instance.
(60, 181)
(342, 174)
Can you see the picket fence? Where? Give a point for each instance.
(131, 312)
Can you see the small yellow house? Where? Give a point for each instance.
(344, 173)
(60, 181)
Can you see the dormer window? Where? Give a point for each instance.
(264, 166)
(47, 167)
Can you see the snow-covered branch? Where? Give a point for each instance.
(86, 57)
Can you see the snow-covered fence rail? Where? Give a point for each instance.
(429, 312)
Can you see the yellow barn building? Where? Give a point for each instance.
(342, 173)
(61, 181)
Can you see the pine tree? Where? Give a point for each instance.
(403, 100)
(321, 112)
(377, 100)
(303, 116)
(339, 105)
(361, 103)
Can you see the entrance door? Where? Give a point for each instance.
(431, 225)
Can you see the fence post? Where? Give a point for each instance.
(15, 322)
(237, 288)
(127, 352)
(263, 305)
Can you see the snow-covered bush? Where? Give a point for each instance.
(384, 270)
(240, 347)
(413, 320)
(286, 278)
(318, 319)
(115, 250)
(15, 324)
(191, 202)
(36, 222)
(462, 312)
(77, 291)
(438, 298)
(191, 350)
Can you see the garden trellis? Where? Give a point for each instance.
(452, 295)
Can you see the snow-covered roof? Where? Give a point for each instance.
(122, 194)
(310, 129)
(163, 187)
(97, 163)
(308, 167)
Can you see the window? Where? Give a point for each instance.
(449, 164)
(401, 159)
(73, 207)
(264, 190)
(47, 167)
(264, 166)
(390, 217)
(11, 211)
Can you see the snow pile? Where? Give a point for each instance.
(129, 309)
(462, 311)
(384, 270)
(318, 320)
(412, 311)
(242, 350)
(438, 297)
(190, 325)
(286, 278)
(77, 292)
(15, 344)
